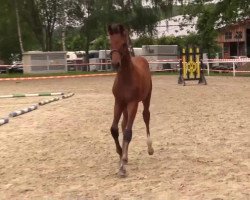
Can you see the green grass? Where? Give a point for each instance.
(228, 74)
(165, 73)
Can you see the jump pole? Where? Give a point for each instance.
(4, 121)
(41, 103)
(23, 111)
(67, 95)
(32, 95)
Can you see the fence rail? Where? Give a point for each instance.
(207, 62)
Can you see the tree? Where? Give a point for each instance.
(231, 11)
(84, 13)
(207, 33)
(42, 16)
(94, 16)
(8, 39)
(18, 26)
(144, 40)
(208, 16)
(62, 21)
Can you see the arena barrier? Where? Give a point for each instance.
(4, 121)
(232, 61)
(234, 71)
(23, 111)
(32, 95)
(191, 66)
(56, 77)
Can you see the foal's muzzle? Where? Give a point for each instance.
(115, 59)
(116, 65)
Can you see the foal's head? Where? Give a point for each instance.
(118, 44)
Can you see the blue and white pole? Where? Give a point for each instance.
(23, 111)
(4, 121)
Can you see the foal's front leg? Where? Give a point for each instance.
(127, 136)
(118, 108)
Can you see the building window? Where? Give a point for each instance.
(226, 49)
(228, 35)
(238, 35)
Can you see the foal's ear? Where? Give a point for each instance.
(121, 29)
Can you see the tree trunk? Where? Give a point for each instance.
(63, 27)
(63, 38)
(44, 46)
(19, 32)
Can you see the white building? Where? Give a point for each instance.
(176, 26)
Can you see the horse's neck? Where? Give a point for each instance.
(125, 74)
(126, 64)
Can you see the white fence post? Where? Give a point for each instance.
(208, 68)
(233, 69)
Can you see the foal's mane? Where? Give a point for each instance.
(116, 29)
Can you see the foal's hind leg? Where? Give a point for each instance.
(146, 118)
(118, 108)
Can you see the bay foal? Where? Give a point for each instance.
(132, 85)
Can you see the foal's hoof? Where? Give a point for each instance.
(151, 151)
(150, 148)
(122, 173)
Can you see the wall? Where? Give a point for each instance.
(44, 62)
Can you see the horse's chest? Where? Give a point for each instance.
(126, 92)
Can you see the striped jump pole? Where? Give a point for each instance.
(67, 95)
(41, 103)
(32, 95)
(23, 111)
(4, 121)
